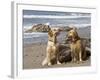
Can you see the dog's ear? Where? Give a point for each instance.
(71, 27)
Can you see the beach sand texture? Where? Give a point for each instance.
(34, 54)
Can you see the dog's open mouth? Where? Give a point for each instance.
(69, 38)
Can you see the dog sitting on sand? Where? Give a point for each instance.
(77, 47)
(52, 47)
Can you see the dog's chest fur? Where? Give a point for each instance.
(51, 43)
(52, 48)
(76, 46)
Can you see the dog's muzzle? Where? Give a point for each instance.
(69, 38)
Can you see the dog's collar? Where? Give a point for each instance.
(51, 40)
(75, 40)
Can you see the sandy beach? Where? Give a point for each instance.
(35, 27)
(34, 54)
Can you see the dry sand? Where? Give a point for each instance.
(34, 54)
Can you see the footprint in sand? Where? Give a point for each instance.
(37, 56)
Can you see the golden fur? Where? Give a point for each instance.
(52, 48)
(76, 45)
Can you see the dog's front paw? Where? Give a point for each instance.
(73, 61)
(79, 62)
(49, 64)
(58, 62)
(44, 62)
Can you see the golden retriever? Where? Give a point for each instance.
(76, 45)
(52, 47)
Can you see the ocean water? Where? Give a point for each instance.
(39, 37)
(80, 20)
(35, 37)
